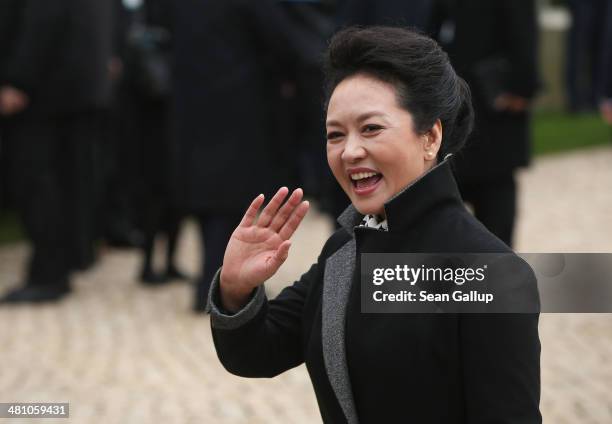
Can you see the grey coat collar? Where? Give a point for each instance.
(350, 218)
(338, 277)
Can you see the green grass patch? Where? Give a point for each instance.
(10, 228)
(558, 132)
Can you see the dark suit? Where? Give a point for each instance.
(9, 21)
(372, 368)
(59, 58)
(584, 59)
(501, 141)
(414, 13)
(604, 91)
(225, 53)
(61, 54)
(10, 16)
(298, 112)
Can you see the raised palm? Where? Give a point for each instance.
(259, 246)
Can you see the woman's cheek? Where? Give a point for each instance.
(335, 164)
(334, 159)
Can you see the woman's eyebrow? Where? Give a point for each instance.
(372, 114)
(332, 123)
(360, 118)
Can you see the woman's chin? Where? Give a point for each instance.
(369, 209)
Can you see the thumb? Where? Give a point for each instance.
(282, 253)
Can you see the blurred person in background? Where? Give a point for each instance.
(584, 59)
(117, 153)
(605, 89)
(298, 112)
(493, 45)
(55, 82)
(225, 53)
(145, 97)
(10, 15)
(412, 14)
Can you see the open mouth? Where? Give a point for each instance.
(365, 182)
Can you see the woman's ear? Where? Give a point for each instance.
(433, 141)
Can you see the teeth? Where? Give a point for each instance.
(362, 175)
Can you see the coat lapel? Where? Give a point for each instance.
(338, 276)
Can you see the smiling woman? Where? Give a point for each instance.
(392, 105)
(396, 109)
(375, 153)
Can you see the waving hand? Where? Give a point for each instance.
(259, 246)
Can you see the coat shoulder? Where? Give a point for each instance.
(338, 239)
(464, 233)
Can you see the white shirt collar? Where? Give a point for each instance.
(373, 221)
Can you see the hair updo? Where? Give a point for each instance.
(426, 84)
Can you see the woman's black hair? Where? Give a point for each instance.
(427, 86)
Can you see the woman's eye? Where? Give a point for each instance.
(333, 136)
(371, 128)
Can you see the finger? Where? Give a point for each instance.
(294, 220)
(281, 254)
(286, 210)
(251, 213)
(270, 210)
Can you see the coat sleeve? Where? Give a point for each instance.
(263, 339)
(37, 43)
(520, 35)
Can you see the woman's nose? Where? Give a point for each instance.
(353, 150)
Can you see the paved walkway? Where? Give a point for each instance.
(120, 353)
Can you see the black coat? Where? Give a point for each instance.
(225, 53)
(487, 29)
(370, 368)
(10, 16)
(60, 55)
